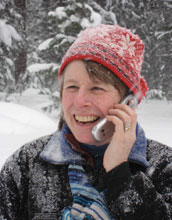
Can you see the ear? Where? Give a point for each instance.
(61, 121)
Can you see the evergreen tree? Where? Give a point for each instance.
(151, 20)
(63, 24)
(34, 35)
(11, 45)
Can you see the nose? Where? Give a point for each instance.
(82, 98)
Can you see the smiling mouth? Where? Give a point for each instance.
(86, 119)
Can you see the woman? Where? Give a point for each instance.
(71, 175)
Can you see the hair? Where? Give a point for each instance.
(96, 71)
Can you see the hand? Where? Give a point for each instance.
(125, 120)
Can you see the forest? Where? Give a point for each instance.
(35, 34)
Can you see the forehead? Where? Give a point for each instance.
(74, 67)
(76, 70)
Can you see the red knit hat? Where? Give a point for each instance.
(115, 48)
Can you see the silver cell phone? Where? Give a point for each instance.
(105, 129)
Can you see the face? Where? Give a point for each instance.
(85, 101)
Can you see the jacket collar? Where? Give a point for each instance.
(59, 151)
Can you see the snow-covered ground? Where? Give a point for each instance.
(155, 116)
(20, 124)
(23, 123)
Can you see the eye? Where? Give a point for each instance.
(96, 88)
(70, 87)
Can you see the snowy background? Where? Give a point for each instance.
(24, 121)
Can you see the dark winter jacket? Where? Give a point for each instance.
(33, 188)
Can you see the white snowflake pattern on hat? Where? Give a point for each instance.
(114, 47)
(128, 44)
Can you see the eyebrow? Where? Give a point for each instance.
(97, 81)
(70, 81)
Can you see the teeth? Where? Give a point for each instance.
(85, 118)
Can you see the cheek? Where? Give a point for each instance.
(66, 103)
(99, 103)
(105, 106)
(108, 102)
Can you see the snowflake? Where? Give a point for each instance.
(127, 44)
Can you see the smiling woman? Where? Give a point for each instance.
(82, 98)
(71, 175)
(98, 74)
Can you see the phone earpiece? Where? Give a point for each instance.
(130, 100)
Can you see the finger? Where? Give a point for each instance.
(125, 107)
(129, 122)
(120, 132)
(124, 116)
(130, 111)
(127, 126)
(119, 126)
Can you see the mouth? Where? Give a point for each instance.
(86, 119)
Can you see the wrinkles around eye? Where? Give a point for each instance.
(98, 88)
(70, 87)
